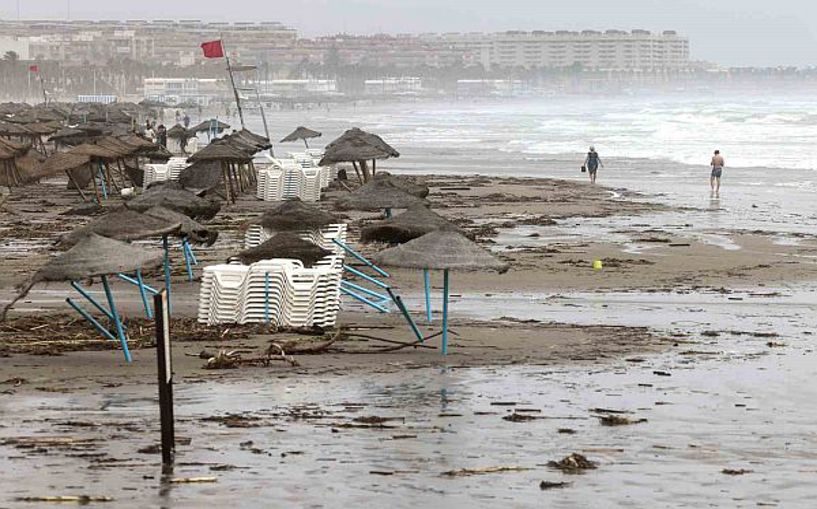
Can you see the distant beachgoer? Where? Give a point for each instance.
(717, 165)
(186, 120)
(161, 135)
(592, 162)
(150, 133)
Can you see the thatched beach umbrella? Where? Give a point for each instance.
(301, 133)
(123, 224)
(376, 195)
(444, 250)
(94, 256)
(233, 161)
(284, 245)
(212, 126)
(357, 146)
(201, 176)
(293, 216)
(188, 228)
(180, 200)
(411, 224)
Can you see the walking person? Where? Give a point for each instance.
(717, 165)
(592, 163)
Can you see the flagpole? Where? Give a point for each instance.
(42, 85)
(232, 83)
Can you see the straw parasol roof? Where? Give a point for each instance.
(69, 135)
(301, 133)
(63, 161)
(94, 255)
(201, 176)
(189, 228)
(441, 249)
(205, 126)
(123, 224)
(295, 215)
(179, 132)
(284, 245)
(95, 151)
(180, 200)
(378, 194)
(357, 145)
(220, 151)
(407, 184)
(411, 224)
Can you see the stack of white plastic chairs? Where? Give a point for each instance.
(163, 172)
(281, 292)
(296, 176)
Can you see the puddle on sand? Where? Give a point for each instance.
(725, 402)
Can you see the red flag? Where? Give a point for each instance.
(212, 49)
(34, 68)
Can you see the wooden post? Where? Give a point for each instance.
(164, 360)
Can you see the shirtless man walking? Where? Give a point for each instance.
(717, 164)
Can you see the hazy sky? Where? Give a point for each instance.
(730, 32)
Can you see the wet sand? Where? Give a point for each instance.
(664, 332)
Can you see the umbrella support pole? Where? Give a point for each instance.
(143, 294)
(364, 300)
(120, 330)
(402, 307)
(187, 261)
(379, 296)
(76, 286)
(445, 312)
(191, 253)
(368, 278)
(427, 286)
(93, 321)
(102, 182)
(388, 213)
(166, 266)
(134, 281)
(360, 257)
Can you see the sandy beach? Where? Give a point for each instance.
(660, 308)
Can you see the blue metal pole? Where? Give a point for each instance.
(187, 261)
(402, 307)
(93, 301)
(266, 297)
(116, 319)
(365, 290)
(143, 294)
(132, 281)
(167, 272)
(98, 326)
(427, 281)
(445, 312)
(190, 252)
(388, 213)
(360, 258)
(364, 300)
(367, 277)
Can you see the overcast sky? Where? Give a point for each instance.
(730, 32)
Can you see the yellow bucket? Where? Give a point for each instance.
(597, 265)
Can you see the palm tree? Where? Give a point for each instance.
(11, 57)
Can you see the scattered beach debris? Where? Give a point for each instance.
(62, 499)
(573, 463)
(517, 417)
(192, 480)
(550, 485)
(617, 420)
(463, 472)
(738, 471)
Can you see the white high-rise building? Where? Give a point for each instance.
(611, 50)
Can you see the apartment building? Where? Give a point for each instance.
(615, 50)
(157, 41)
